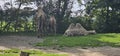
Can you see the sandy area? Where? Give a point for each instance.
(25, 42)
(20, 42)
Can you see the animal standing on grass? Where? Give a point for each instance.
(52, 24)
(40, 21)
(44, 24)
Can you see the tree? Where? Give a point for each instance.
(105, 13)
(15, 16)
(61, 9)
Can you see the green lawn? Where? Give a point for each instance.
(97, 40)
(16, 52)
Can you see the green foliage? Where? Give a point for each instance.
(106, 14)
(9, 54)
(110, 39)
(86, 21)
(16, 52)
(10, 51)
(26, 26)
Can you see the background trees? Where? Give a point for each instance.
(13, 18)
(106, 14)
(101, 15)
(61, 9)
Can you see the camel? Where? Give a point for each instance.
(43, 24)
(40, 19)
(77, 30)
(69, 31)
(52, 24)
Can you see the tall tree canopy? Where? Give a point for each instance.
(105, 13)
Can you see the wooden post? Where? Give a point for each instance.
(24, 53)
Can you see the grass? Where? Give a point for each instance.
(97, 40)
(16, 52)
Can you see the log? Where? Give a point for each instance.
(24, 53)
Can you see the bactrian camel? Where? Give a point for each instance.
(77, 30)
(44, 24)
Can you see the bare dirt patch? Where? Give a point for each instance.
(21, 42)
(25, 42)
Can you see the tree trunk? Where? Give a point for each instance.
(1, 25)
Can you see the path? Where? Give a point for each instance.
(25, 42)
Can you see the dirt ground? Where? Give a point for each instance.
(25, 42)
